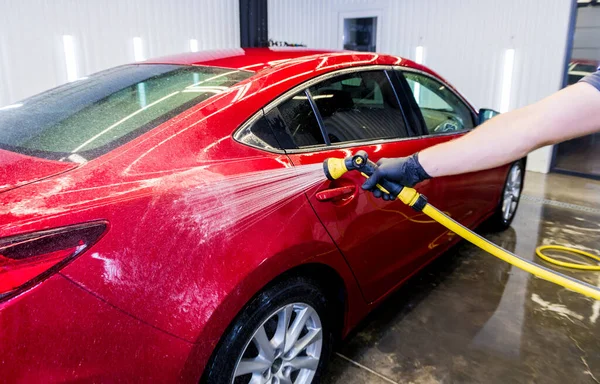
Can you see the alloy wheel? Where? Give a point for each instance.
(512, 192)
(285, 349)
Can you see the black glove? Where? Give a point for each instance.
(405, 171)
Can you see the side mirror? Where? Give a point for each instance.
(486, 114)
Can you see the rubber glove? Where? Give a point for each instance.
(406, 171)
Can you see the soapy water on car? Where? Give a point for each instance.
(247, 198)
(222, 202)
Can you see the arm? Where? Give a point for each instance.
(571, 112)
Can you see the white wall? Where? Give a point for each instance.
(586, 44)
(31, 46)
(464, 41)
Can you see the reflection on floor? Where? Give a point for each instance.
(470, 318)
(580, 155)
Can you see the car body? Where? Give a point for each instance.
(152, 285)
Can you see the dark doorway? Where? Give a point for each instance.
(253, 24)
(581, 156)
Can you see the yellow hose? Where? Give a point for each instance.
(409, 196)
(585, 267)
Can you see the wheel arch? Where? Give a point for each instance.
(328, 270)
(332, 284)
(324, 276)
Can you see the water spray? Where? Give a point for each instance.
(335, 168)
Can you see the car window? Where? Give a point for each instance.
(300, 122)
(90, 117)
(359, 106)
(442, 110)
(258, 134)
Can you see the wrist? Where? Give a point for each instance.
(424, 165)
(421, 172)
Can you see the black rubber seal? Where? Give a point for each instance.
(420, 203)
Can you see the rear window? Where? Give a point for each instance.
(90, 117)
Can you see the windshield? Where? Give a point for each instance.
(90, 117)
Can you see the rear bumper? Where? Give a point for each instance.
(58, 332)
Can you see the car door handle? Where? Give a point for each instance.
(336, 193)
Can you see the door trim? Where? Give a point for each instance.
(307, 84)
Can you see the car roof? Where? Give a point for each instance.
(257, 59)
(260, 59)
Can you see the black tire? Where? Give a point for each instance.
(498, 221)
(293, 290)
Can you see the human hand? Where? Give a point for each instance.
(405, 171)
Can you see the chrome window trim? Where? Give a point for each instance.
(324, 147)
(309, 83)
(253, 119)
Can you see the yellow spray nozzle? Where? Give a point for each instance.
(334, 168)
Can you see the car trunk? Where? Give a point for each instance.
(17, 170)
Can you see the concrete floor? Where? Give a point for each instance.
(470, 318)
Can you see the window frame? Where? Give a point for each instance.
(424, 131)
(413, 132)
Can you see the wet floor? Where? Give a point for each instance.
(470, 318)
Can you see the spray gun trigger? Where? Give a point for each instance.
(377, 185)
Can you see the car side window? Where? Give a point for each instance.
(301, 124)
(359, 106)
(442, 110)
(258, 134)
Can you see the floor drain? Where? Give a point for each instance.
(560, 204)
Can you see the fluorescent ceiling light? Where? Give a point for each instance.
(141, 90)
(11, 106)
(417, 92)
(419, 59)
(419, 54)
(317, 97)
(509, 63)
(193, 45)
(138, 49)
(70, 63)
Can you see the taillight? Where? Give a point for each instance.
(25, 260)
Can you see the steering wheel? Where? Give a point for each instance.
(451, 124)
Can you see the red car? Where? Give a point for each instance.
(169, 221)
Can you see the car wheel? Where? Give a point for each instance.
(282, 336)
(509, 200)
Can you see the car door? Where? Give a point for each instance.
(446, 117)
(383, 242)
